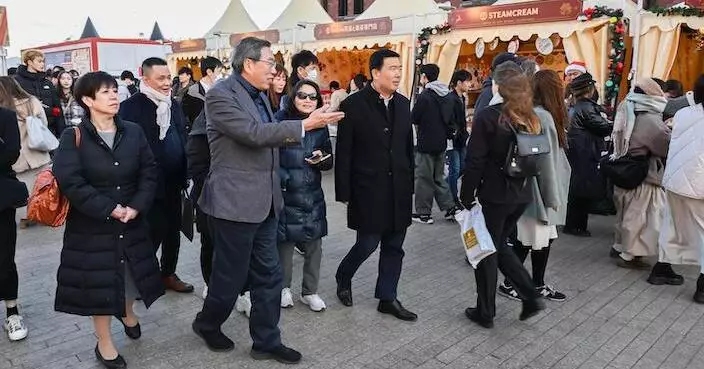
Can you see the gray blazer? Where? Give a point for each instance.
(243, 183)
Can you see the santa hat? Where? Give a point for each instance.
(576, 66)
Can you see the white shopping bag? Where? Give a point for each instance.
(475, 237)
(39, 137)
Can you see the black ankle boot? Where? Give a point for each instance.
(699, 295)
(662, 273)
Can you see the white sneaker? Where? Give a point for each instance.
(16, 330)
(286, 298)
(244, 304)
(314, 302)
(205, 292)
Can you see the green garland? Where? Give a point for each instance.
(617, 54)
(423, 42)
(677, 10)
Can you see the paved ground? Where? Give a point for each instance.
(613, 319)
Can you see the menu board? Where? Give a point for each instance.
(78, 59)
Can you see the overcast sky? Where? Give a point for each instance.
(38, 22)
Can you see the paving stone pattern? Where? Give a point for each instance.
(613, 318)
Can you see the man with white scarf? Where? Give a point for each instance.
(164, 124)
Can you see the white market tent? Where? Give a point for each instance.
(407, 20)
(235, 19)
(306, 13)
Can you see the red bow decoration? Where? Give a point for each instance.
(55, 111)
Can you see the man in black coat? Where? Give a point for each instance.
(460, 85)
(374, 177)
(31, 78)
(194, 100)
(164, 124)
(433, 117)
(487, 94)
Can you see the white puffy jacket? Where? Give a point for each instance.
(684, 172)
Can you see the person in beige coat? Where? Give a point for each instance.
(682, 237)
(639, 131)
(25, 105)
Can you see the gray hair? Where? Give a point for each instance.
(504, 71)
(530, 68)
(248, 48)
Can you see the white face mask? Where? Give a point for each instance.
(313, 75)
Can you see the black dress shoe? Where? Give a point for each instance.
(473, 315)
(215, 340)
(344, 293)
(116, 363)
(281, 354)
(662, 273)
(531, 308)
(132, 332)
(396, 309)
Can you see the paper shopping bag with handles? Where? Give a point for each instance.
(475, 237)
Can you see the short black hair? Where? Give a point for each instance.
(209, 63)
(699, 90)
(431, 71)
(185, 70)
(291, 110)
(674, 87)
(74, 72)
(12, 71)
(89, 84)
(376, 61)
(459, 76)
(303, 59)
(127, 75)
(151, 62)
(334, 85)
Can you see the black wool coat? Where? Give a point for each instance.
(13, 191)
(95, 179)
(374, 166)
(37, 85)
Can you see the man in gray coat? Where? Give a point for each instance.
(242, 196)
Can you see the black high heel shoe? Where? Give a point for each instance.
(132, 332)
(116, 363)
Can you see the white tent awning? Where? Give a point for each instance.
(235, 19)
(412, 14)
(301, 11)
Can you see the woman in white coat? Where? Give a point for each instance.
(682, 237)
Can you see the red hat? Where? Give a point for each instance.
(576, 66)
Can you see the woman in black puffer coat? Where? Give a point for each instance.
(585, 138)
(108, 173)
(303, 221)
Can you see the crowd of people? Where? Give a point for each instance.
(249, 150)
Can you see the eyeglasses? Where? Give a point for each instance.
(270, 63)
(302, 96)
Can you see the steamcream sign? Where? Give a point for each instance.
(521, 13)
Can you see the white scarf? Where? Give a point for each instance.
(163, 108)
(625, 119)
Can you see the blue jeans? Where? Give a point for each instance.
(455, 162)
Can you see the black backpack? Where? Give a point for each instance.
(525, 153)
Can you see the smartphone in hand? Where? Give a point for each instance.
(317, 157)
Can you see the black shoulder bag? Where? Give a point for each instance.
(525, 152)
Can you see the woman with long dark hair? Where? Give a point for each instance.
(73, 112)
(503, 198)
(277, 90)
(303, 223)
(357, 83)
(105, 168)
(537, 227)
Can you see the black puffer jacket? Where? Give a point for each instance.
(304, 215)
(95, 179)
(433, 115)
(588, 127)
(37, 85)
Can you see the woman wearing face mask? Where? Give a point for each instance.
(73, 113)
(278, 89)
(303, 222)
(108, 173)
(357, 83)
(305, 66)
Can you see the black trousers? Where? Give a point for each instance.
(578, 212)
(165, 229)
(390, 261)
(245, 253)
(500, 221)
(206, 246)
(8, 243)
